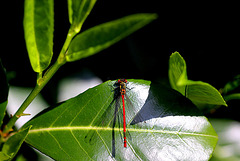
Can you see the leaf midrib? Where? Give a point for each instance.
(117, 129)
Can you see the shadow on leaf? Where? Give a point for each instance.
(162, 102)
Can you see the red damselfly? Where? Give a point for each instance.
(116, 110)
(122, 87)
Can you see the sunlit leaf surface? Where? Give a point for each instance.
(162, 125)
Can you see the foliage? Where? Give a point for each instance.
(104, 35)
(163, 124)
(197, 91)
(39, 36)
(13, 143)
(3, 92)
(228, 90)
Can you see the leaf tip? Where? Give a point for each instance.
(154, 15)
(176, 53)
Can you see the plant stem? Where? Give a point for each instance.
(70, 35)
(41, 82)
(39, 86)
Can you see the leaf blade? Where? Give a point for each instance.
(102, 36)
(73, 119)
(78, 11)
(231, 85)
(177, 71)
(38, 31)
(197, 91)
(13, 144)
(201, 92)
(232, 96)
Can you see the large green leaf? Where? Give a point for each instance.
(78, 10)
(163, 125)
(197, 91)
(38, 30)
(4, 88)
(13, 144)
(102, 36)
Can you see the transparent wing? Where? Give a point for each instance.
(112, 118)
(108, 120)
(131, 111)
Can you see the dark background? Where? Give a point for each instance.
(205, 34)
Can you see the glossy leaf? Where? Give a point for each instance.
(78, 10)
(163, 125)
(197, 91)
(4, 88)
(38, 29)
(102, 36)
(13, 144)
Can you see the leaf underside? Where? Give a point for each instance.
(102, 36)
(78, 11)
(38, 30)
(197, 91)
(170, 127)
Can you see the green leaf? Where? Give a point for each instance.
(203, 93)
(177, 72)
(78, 10)
(198, 92)
(38, 29)
(4, 88)
(2, 111)
(163, 125)
(232, 96)
(102, 36)
(4, 156)
(231, 85)
(13, 144)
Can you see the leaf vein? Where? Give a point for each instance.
(59, 145)
(110, 129)
(99, 111)
(79, 144)
(82, 109)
